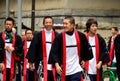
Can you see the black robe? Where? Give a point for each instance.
(104, 56)
(35, 51)
(18, 47)
(18, 51)
(109, 44)
(56, 53)
(117, 53)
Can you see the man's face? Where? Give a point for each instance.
(48, 24)
(29, 35)
(23, 36)
(113, 31)
(67, 25)
(9, 25)
(93, 28)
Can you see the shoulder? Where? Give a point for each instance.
(81, 34)
(100, 37)
(117, 37)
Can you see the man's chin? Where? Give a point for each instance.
(65, 30)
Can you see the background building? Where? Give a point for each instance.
(107, 12)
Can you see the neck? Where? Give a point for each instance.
(48, 29)
(70, 32)
(91, 34)
(114, 35)
(8, 31)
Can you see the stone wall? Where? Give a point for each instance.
(107, 12)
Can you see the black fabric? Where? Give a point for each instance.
(117, 53)
(18, 47)
(109, 44)
(50, 76)
(57, 48)
(7, 74)
(104, 56)
(34, 54)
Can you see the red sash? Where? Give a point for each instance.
(111, 51)
(25, 61)
(64, 52)
(97, 56)
(12, 58)
(45, 54)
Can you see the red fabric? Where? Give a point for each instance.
(64, 52)
(12, 58)
(25, 61)
(97, 56)
(111, 51)
(45, 54)
(87, 62)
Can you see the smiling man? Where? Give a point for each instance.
(100, 56)
(40, 48)
(10, 46)
(69, 50)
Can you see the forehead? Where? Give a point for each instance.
(66, 20)
(48, 19)
(93, 24)
(29, 31)
(8, 21)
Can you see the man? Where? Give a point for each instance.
(117, 54)
(28, 75)
(23, 36)
(40, 48)
(100, 56)
(69, 50)
(111, 50)
(10, 47)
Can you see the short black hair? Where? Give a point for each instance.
(46, 18)
(90, 22)
(10, 19)
(28, 30)
(115, 28)
(71, 18)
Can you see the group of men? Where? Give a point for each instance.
(64, 55)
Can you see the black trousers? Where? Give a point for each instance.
(18, 73)
(8, 74)
(50, 76)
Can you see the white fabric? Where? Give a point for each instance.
(48, 35)
(92, 62)
(114, 56)
(8, 56)
(28, 45)
(72, 59)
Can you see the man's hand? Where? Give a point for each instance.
(31, 66)
(2, 66)
(58, 68)
(9, 49)
(82, 64)
(98, 66)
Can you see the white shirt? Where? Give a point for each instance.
(28, 45)
(48, 35)
(8, 56)
(114, 56)
(92, 62)
(72, 59)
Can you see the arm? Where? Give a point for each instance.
(104, 56)
(18, 49)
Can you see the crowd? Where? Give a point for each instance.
(51, 56)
